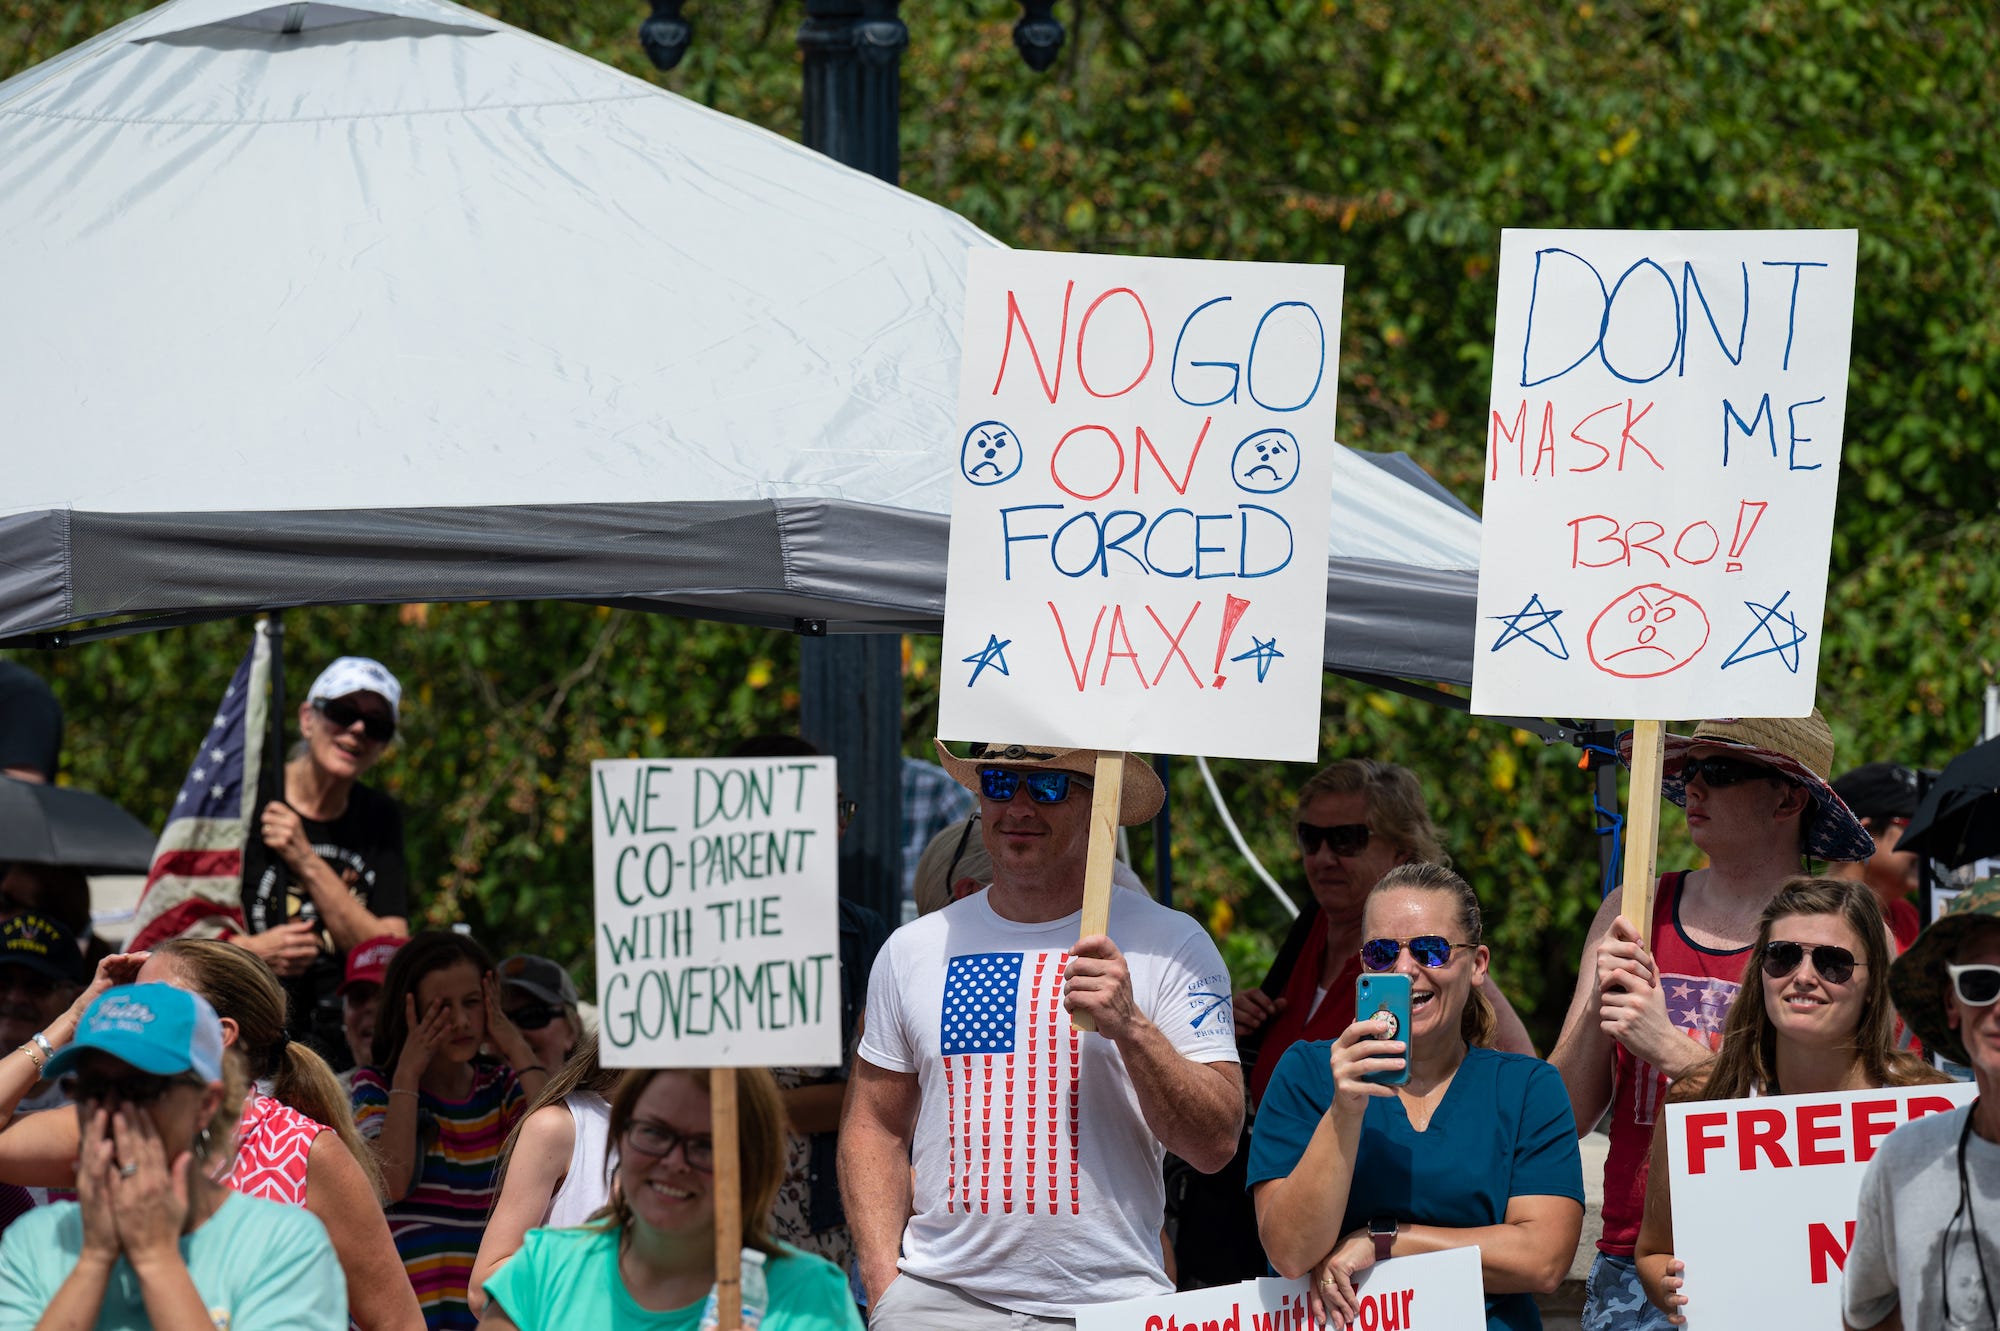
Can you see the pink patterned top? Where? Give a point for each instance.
(273, 1143)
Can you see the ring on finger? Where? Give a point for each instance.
(127, 1171)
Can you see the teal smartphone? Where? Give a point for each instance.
(1389, 995)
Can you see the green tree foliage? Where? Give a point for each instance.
(1394, 139)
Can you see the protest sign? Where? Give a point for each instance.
(1765, 1193)
(717, 924)
(1437, 1291)
(1662, 452)
(1139, 524)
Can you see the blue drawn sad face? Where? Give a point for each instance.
(1266, 462)
(991, 454)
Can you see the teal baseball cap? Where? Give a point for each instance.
(154, 1027)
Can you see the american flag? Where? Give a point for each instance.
(195, 887)
(1004, 1036)
(1697, 1006)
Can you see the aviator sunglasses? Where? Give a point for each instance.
(999, 784)
(1834, 964)
(1977, 985)
(341, 714)
(1343, 839)
(1719, 770)
(1430, 951)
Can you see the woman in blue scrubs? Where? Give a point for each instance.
(1477, 1149)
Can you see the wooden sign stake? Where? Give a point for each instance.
(1105, 797)
(728, 1200)
(1642, 824)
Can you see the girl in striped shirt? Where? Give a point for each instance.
(438, 1112)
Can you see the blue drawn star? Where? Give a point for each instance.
(992, 654)
(1265, 652)
(1771, 619)
(1530, 621)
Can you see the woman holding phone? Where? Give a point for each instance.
(1474, 1147)
(1814, 1016)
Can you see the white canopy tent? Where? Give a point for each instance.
(388, 301)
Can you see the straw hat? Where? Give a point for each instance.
(1797, 747)
(1917, 978)
(1143, 794)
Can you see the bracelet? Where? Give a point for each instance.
(398, 1090)
(34, 1056)
(532, 1067)
(41, 1040)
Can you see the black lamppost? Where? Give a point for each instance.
(851, 686)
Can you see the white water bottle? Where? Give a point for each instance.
(755, 1296)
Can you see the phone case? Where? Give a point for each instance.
(1388, 993)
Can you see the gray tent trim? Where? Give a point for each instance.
(806, 565)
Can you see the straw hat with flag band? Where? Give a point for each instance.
(1800, 748)
(1143, 792)
(1917, 979)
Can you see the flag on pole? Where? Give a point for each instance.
(195, 887)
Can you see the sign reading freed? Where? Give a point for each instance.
(1662, 452)
(717, 924)
(1437, 1291)
(1139, 524)
(1765, 1192)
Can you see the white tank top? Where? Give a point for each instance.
(584, 1188)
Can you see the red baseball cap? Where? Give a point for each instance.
(369, 962)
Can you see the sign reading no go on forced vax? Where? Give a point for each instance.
(1139, 520)
(717, 921)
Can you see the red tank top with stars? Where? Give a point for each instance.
(1700, 983)
(273, 1143)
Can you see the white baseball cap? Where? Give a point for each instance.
(358, 674)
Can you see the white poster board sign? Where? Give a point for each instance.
(717, 924)
(1765, 1193)
(1662, 451)
(1139, 524)
(1437, 1291)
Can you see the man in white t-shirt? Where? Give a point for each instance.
(1034, 1150)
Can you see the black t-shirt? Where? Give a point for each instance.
(364, 846)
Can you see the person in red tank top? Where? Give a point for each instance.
(1648, 1011)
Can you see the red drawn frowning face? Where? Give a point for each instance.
(1647, 632)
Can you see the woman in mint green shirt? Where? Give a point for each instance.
(657, 1234)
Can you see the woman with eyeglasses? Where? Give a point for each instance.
(1476, 1149)
(1814, 1016)
(438, 1111)
(327, 872)
(648, 1258)
(154, 1239)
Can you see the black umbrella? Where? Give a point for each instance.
(1959, 821)
(55, 825)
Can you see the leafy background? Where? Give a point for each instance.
(1395, 139)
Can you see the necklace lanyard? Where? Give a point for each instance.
(1972, 1226)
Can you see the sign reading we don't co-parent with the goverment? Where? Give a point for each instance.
(1662, 452)
(1139, 519)
(717, 922)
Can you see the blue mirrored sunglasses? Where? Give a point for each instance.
(1430, 951)
(999, 784)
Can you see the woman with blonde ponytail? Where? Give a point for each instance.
(295, 1140)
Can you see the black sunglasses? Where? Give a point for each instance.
(534, 1018)
(657, 1140)
(1430, 951)
(1719, 770)
(1834, 964)
(1345, 839)
(138, 1089)
(341, 714)
(1000, 784)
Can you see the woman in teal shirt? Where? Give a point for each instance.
(1478, 1148)
(648, 1259)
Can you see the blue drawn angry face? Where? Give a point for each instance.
(1266, 462)
(991, 454)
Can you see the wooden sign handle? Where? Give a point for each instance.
(1642, 824)
(728, 1200)
(1105, 797)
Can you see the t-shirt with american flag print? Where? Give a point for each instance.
(1037, 1180)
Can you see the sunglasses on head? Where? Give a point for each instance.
(534, 1018)
(1430, 951)
(999, 784)
(1719, 770)
(1835, 965)
(1976, 986)
(342, 714)
(657, 1141)
(1346, 839)
(138, 1089)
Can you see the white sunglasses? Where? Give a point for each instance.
(1976, 986)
